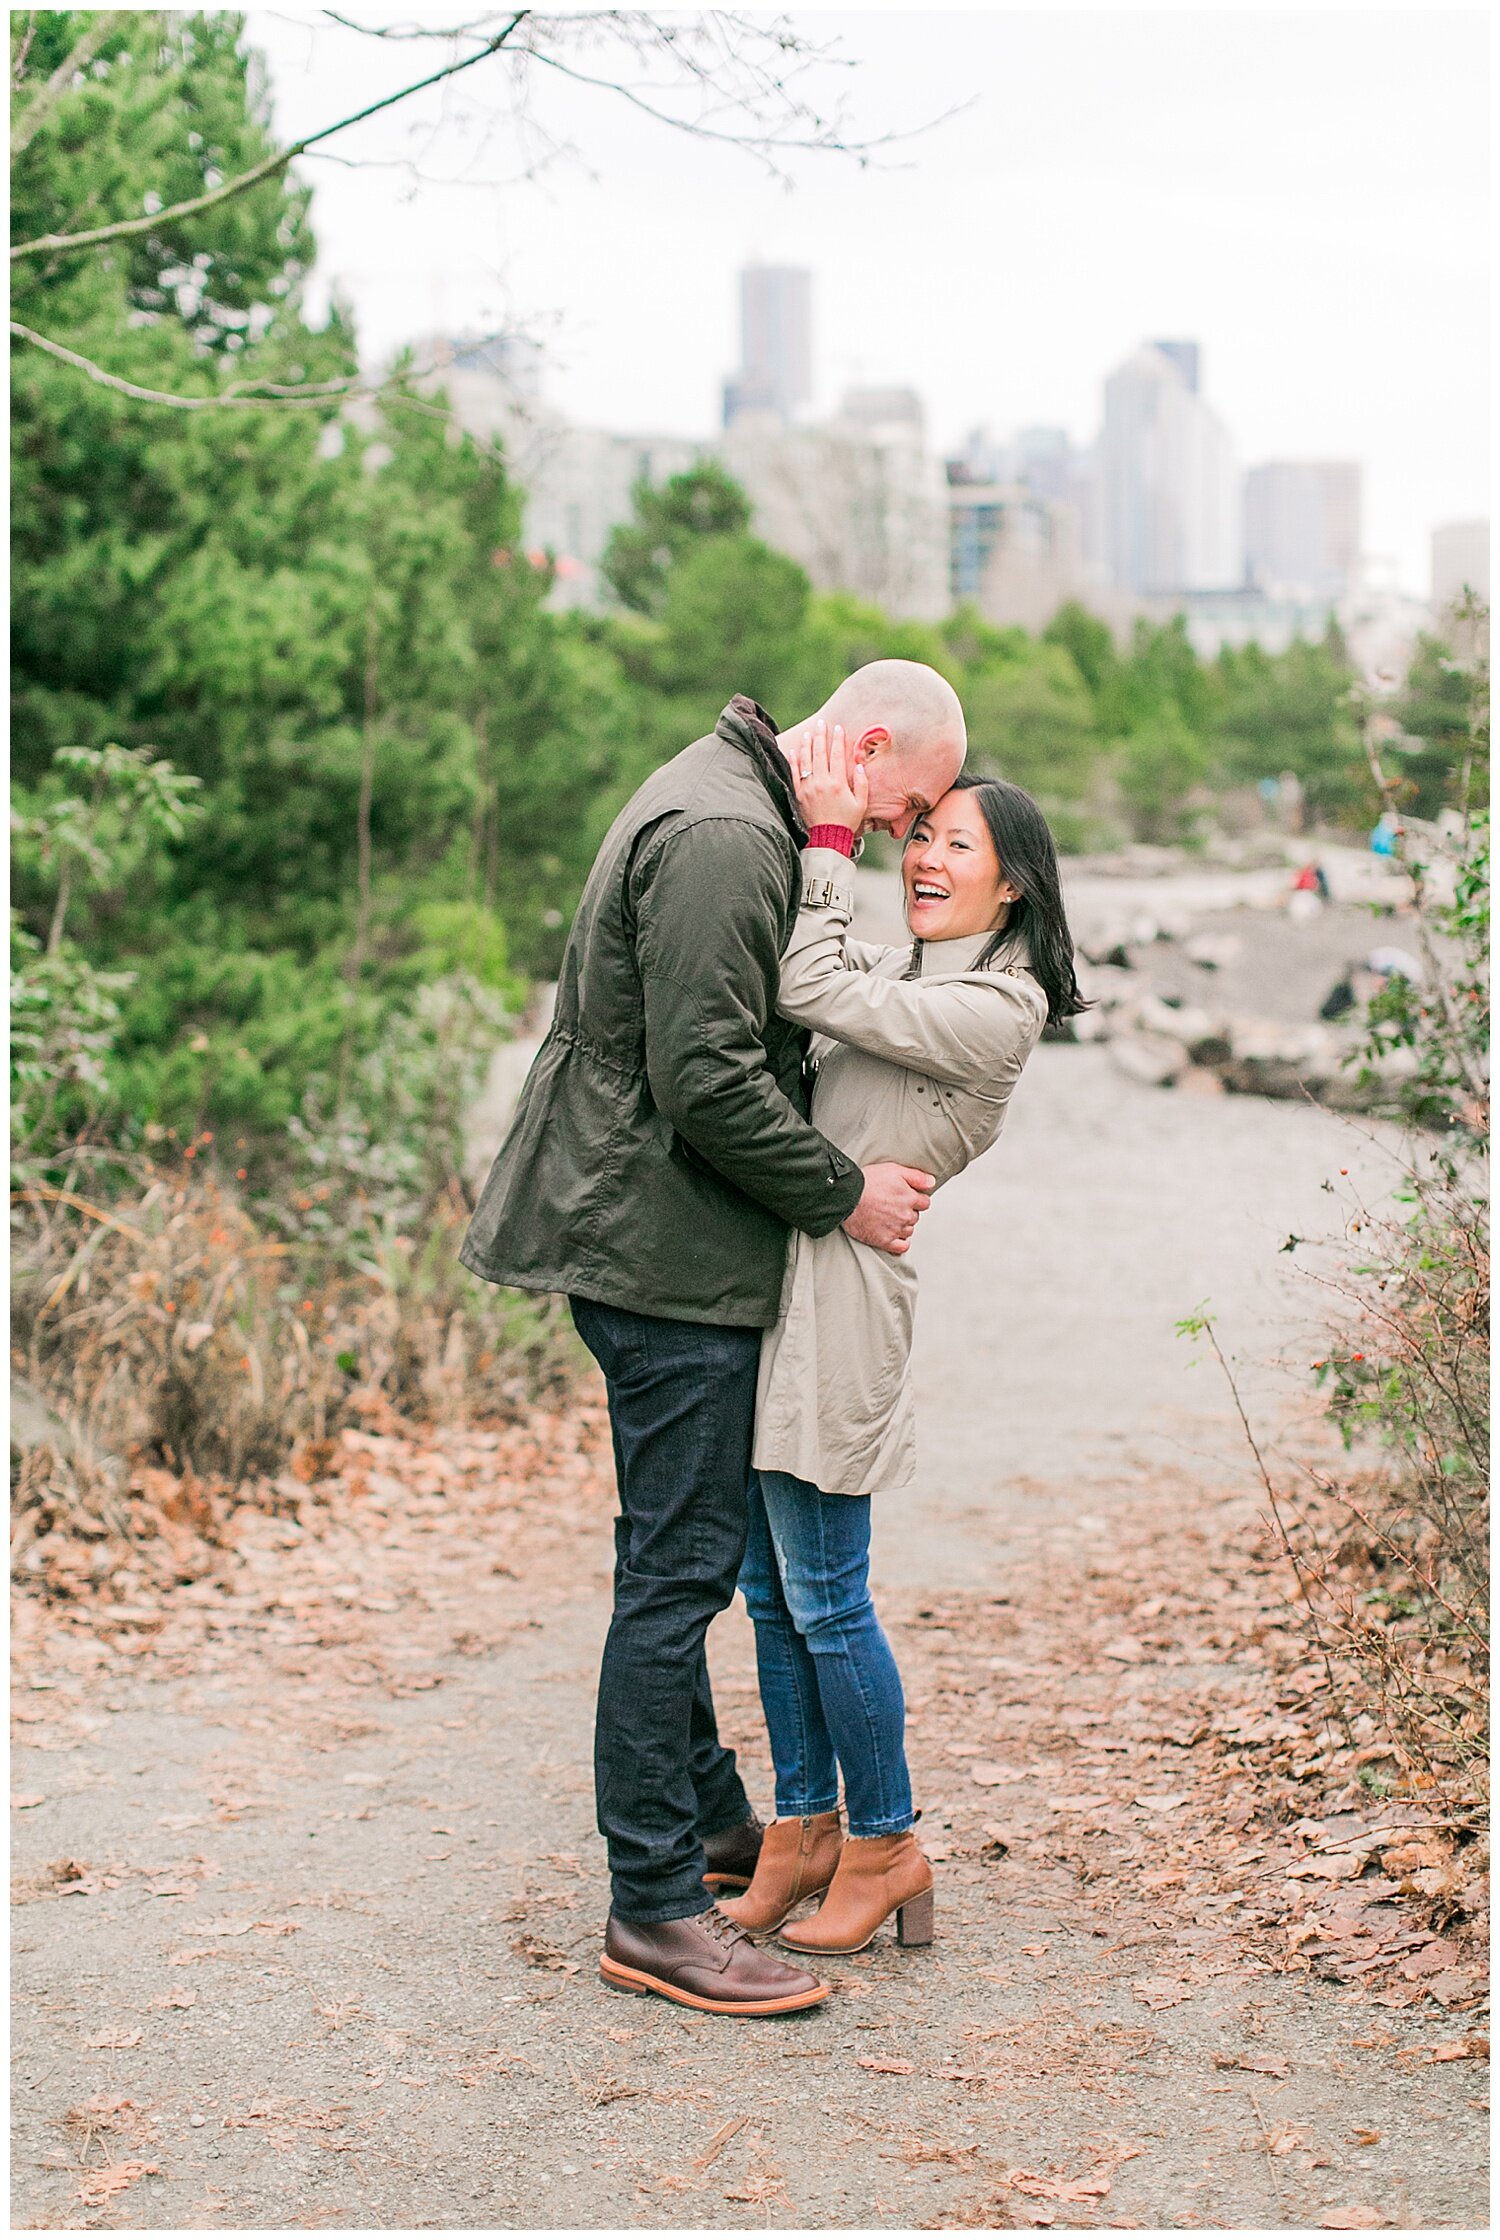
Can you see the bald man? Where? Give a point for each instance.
(905, 724)
(660, 1157)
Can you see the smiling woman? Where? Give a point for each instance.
(1013, 868)
(951, 872)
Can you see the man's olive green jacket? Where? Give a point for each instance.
(661, 1153)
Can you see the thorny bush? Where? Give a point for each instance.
(1392, 1557)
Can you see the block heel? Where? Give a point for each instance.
(877, 1877)
(914, 1920)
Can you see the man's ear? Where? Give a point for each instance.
(876, 736)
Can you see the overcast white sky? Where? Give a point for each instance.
(1304, 193)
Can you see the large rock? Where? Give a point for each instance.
(1204, 1035)
(1278, 1058)
(1155, 1059)
(1214, 952)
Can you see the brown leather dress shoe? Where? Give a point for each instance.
(877, 1876)
(704, 1961)
(732, 1855)
(797, 1861)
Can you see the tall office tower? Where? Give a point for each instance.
(775, 343)
(1169, 492)
(1184, 355)
(1302, 525)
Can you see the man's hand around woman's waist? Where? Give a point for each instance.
(894, 1199)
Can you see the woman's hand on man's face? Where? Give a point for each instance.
(831, 787)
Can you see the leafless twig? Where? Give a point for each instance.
(155, 221)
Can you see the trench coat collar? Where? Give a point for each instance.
(961, 955)
(746, 725)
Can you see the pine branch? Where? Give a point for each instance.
(47, 97)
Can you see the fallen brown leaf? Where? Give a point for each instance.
(1161, 1991)
(101, 2186)
(1431, 1960)
(538, 1953)
(1358, 2219)
(719, 2141)
(885, 2065)
(1259, 2064)
(112, 2041)
(1038, 2188)
(1454, 2049)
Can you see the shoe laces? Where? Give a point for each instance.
(719, 1926)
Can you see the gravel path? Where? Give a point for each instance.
(313, 1889)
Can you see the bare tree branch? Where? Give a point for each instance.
(762, 59)
(757, 143)
(276, 396)
(47, 97)
(155, 220)
(314, 393)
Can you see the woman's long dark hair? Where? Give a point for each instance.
(1028, 859)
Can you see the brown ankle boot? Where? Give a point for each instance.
(797, 1860)
(877, 1876)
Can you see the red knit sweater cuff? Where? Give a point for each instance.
(832, 836)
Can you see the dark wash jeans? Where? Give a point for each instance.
(682, 1411)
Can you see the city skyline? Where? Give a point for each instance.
(1157, 516)
(1304, 194)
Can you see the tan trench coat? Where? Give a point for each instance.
(919, 1070)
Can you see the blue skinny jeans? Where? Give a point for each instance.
(828, 1680)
